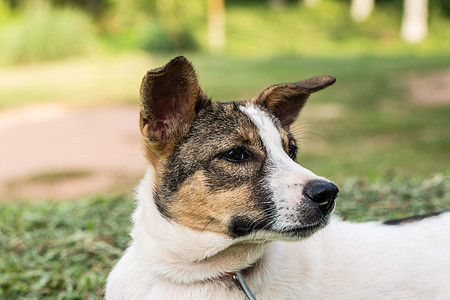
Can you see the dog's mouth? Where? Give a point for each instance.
(278, 228)
(288, 233)
(303, 231)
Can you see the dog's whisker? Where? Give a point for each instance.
(310, 136)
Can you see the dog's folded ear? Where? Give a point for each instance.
(286, 100)
(170, 100)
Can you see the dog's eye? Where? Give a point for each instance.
(237, 155)
(293, 152)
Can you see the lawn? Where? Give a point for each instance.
(388, 155)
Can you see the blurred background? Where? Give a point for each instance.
(70, 72)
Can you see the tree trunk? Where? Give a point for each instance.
(216, 25)
(414, 24)
(277, 3)
(311, 3)
(360, 10)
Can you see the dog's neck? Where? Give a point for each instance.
(183, 255)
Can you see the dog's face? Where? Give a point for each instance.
(230, 168)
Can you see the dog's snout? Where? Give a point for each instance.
(322, 193)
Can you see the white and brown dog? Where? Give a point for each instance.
(225, 211)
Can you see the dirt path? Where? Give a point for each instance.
(53, 152)
(430, 89)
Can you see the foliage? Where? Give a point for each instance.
(38, 32)
(154, 25)
(153, 37)
(65, 250)
(326, 30)
(41, 30)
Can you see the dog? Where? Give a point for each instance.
(225, 211)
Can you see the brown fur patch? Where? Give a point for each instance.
(197, 187)
(212, 211)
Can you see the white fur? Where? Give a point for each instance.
(342, 261)
(286, 178)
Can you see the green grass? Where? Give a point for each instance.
(65, 250)
(373, 198)
(61, 250)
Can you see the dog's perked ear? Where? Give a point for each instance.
(170, 100)
(286, 100)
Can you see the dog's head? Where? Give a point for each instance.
(230, 168)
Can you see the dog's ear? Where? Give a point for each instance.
(286, 100)
(170, 100)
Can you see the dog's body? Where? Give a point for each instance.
(224, 194)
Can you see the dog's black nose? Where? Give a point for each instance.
(323, 193)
